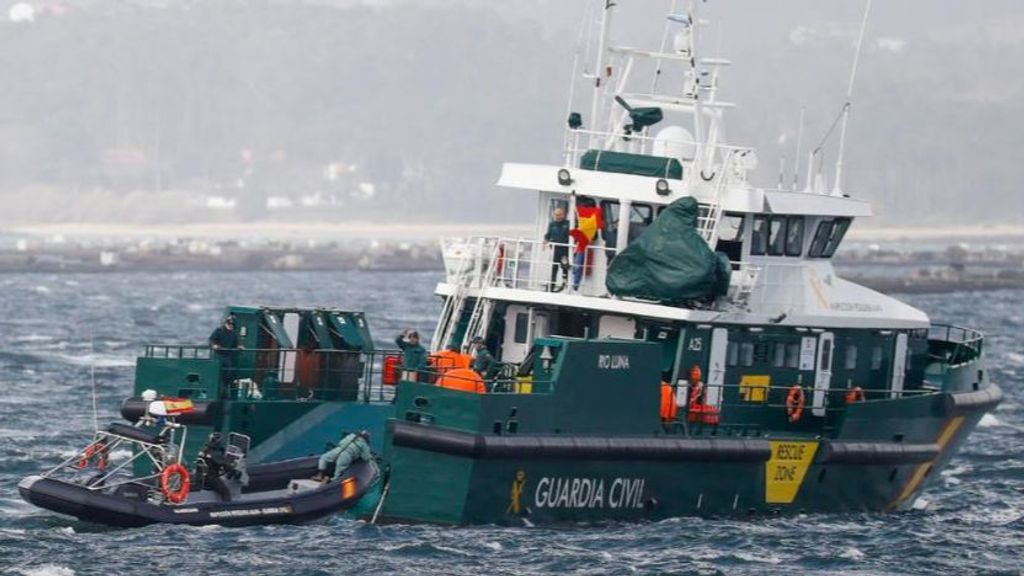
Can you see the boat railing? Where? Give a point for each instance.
(580, 141)
(281, 373)
(768, 407)
(105, 463)
(541, 266)
(177, 351)
(953, 346)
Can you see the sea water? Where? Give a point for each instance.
(55, 330)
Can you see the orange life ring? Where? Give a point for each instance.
(97, 450)
(855, 394)
(175, 496)
(795, 403)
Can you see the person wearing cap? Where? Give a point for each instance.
(211, 466)
(224, 343)
(353, 447)
(483, 361)
(414, 355)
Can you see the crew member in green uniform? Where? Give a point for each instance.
(483, 362)
(414, 355)
(352, 448)
(224, 343)
(558, 234)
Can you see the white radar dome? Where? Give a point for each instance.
(22, 12)
(674, 142)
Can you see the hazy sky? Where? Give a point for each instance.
(142, 111)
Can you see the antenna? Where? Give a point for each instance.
(836, 190)
(92, 378)
(602, 47)
(799, 149)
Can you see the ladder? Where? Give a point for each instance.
(482, 308)
(455, 303)
(707, 224)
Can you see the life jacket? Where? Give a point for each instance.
(668, 403)
(463, 379)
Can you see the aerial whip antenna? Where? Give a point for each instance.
(92, 378)
(837, 189)
(799, 149)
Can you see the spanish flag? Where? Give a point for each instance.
(588, 222)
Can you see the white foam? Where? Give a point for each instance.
(852, 553)
(48, 570)
(97, 360)
(32, 338)
(989, 421)
(42, 289)
(1015, 358)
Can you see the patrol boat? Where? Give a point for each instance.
(689, 350)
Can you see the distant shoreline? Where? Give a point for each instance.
(402, 231)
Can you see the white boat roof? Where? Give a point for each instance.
(544, 178)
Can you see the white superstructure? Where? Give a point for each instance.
(780, 241)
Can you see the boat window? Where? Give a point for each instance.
(826, 355)
(610, 215)
(795, 236)
(777, 236)
(730, 236)
(821, 236)
(522, 324)
(747, 354)
(779, 355)
(557, 203)
(730, 229)
(640, 217)
(793, 355)
(876, 358)
(851, 357)
(732, 354)
(759, 236)
(839, 229)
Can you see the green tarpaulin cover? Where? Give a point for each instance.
(638, 164)
(670, 262)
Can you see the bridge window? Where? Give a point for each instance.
(640, 217)
(610, 215)
(850, 361)
(794, 236)
(747, 354)
(876, 358)
(732, 354)
(779, 355)
(793, 355)
(777, 236)
(730, 236)
(828, 237)
(759, 236)
(839, 228)
(522, 327)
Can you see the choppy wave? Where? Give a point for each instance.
(972, 522)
